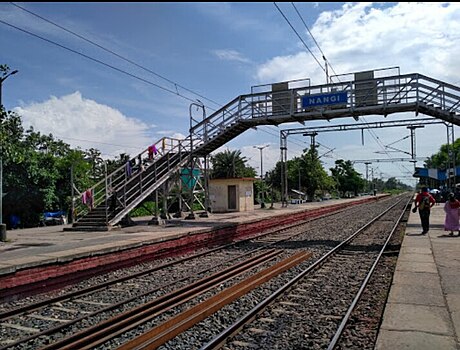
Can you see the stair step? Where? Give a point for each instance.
(93, 216)
(89, 229)
(86, 224)
(87, 219)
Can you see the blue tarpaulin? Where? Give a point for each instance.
(55, 214)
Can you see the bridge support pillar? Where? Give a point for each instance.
(3, 232)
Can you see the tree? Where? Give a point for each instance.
(93, 156)
(230, 164)
(305, 173)
(36, 171)
(441, 159)
(314, 176)
(347, 178)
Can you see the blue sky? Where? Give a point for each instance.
(217, 51)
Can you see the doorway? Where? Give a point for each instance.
(232, 197)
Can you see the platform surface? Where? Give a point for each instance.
(423, 307)
(32, 247)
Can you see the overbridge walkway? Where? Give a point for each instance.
(120, 192)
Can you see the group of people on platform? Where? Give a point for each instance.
(424, 201)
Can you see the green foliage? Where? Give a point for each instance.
(4, 69)
(304, 173)
(36, 171)
(392, 185)
(145, 209)
(230, 164)
(440, 160)
(347, 178)
(313, 174)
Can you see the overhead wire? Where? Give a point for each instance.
(300, 38)
(112, 52)
(109, 65)
(140, 66)
(115, 54)
(105, 64)
(121, 57)
(311, 34)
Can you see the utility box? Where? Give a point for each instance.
(231, 195)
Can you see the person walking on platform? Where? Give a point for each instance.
(424, 201)
(451, 223)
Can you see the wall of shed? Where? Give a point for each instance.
(218, 195)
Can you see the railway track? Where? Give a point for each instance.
(312, 310)
(283, 240)
(31, 321)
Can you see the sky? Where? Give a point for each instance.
(118, 76)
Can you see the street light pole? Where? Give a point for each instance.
(2, 225)
(262, 204)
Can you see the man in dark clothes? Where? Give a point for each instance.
(424, 201)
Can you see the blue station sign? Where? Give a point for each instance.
(324, 99)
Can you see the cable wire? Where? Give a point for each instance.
(148, 70)
(99, 61)
(322, 53)
(303, 42)
(112, 52)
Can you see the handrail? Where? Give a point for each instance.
(118, 180)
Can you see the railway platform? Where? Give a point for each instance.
(39, 254)
(423, 306)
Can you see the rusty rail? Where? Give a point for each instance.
(110, 328)
(171, 328)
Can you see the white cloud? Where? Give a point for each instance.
(87, 124)
(418, 37)
(230, 55)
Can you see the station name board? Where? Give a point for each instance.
(324, 99)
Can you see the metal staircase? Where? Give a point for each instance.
(122, 190)
(116, 195)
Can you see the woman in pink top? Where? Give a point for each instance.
(451, 223)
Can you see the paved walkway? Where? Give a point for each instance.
(423, 308)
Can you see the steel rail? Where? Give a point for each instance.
(116, 305)
(218, 340)
(108, 329)
(356, 299)
(31, 307)
(171, 328)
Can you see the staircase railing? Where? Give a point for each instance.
(129, 184)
